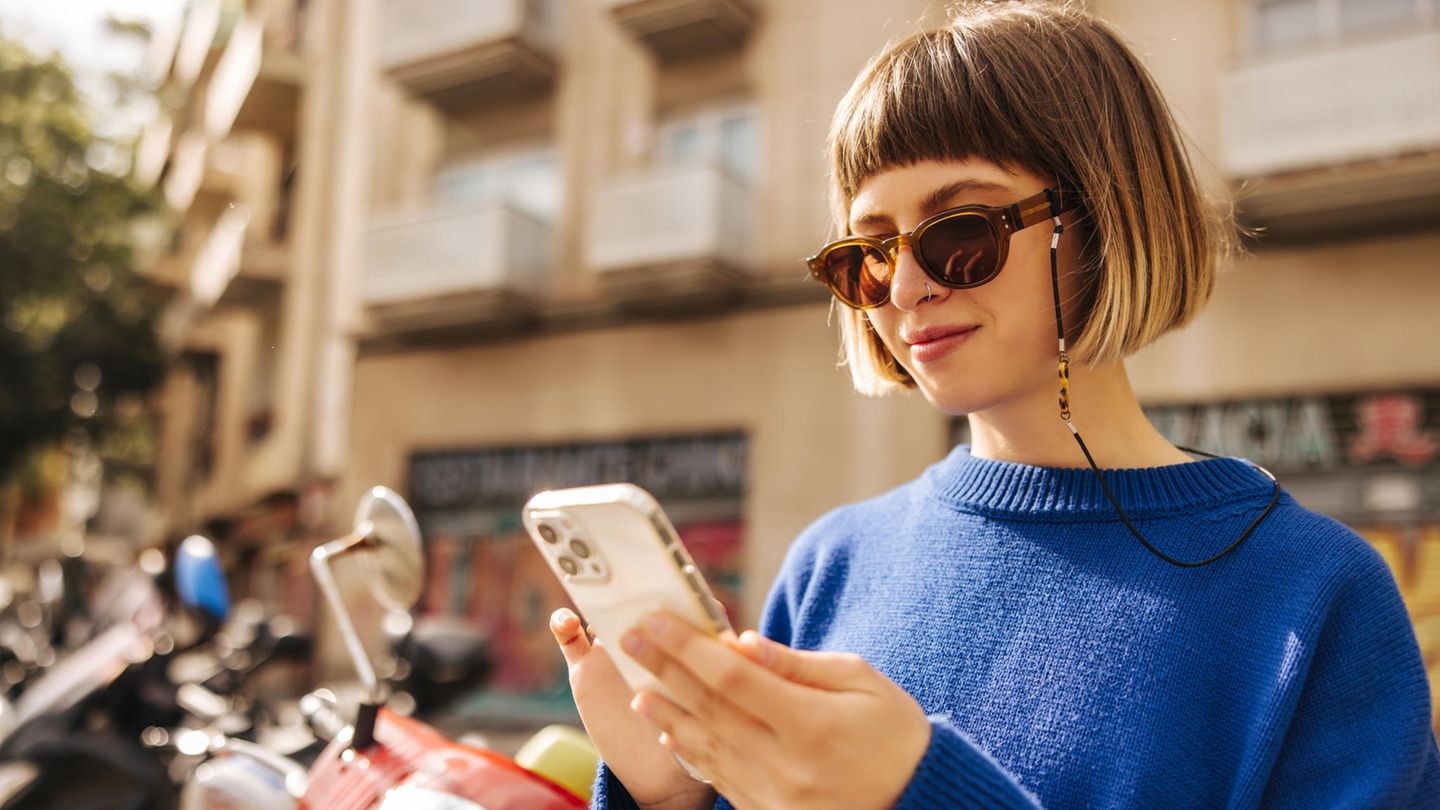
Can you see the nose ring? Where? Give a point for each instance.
(928, 293)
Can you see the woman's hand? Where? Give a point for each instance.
(773, 727)
(627, 742)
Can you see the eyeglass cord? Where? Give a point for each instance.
(1065, 415)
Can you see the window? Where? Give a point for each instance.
(725, 135)
(529, 180)
(1360, 16)
(1280, 25)
(737, 144)
(682, 143)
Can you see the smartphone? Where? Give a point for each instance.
(619, 558)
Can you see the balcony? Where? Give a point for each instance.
(152, 150)
(256, 82)
(1344, 136)
(186, 171)
(459, 53)
(681, 29)
(219, 258)
(202, 22)
(675, 237)
(234, 75)
(273, 103)
(469, 268)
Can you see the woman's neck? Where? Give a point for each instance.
(1103, 408)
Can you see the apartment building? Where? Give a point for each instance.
(537, 243)
(257, 208)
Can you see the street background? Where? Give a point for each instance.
(471, 249)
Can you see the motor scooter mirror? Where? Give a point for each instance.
(387, 538)
(394, 566)
(199, 580)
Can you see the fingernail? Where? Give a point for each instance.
(559, 616)
(632, 643)
(657, 623)
(638, 705)
(757, 646)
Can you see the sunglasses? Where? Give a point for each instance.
(960, 248)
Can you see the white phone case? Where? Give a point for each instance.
(635, 564)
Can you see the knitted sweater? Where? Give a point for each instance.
(1063, 665)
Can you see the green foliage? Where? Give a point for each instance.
(71, 302)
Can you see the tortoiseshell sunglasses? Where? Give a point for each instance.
(959, 248)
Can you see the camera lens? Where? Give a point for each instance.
(569, 566)
(578, 546)
(547, 533)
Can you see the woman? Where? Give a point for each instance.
(1070, 611)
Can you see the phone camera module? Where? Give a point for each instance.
(580, 548)
(547, 533)
(569, 566)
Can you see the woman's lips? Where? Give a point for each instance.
(931, 350)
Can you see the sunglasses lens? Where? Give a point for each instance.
(961, 251)
(858, 275)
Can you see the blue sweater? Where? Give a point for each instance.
(1063, 665)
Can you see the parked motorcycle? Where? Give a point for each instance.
(379, 758)
(67, 745)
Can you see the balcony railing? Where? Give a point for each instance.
(202, 21)
(152, 149)
(670, 233)
(256, 82)
(1333, 106)
(1338, 141)
(452, 267)
(460, 52)
(234, 75)
(187, 170)
(219, 258)
(680, 29)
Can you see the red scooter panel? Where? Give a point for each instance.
(419, 761)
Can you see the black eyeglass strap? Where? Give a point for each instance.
(1056, 208)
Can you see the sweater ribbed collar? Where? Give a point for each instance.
(985, 485)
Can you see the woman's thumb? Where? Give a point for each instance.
(570, 635)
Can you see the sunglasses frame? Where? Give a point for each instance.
(1003, 221)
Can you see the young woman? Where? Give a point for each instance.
(1070, 611)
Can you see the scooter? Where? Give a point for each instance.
(382, 759)
(65, 747)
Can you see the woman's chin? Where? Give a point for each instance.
(951, 402)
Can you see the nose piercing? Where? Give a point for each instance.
(928, 293)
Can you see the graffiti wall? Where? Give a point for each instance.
(481, 565)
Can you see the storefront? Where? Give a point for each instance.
(482, 566)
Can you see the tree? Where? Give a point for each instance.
(77, 322)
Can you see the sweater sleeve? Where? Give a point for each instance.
(1360, 732)
(956, 772)
(608, 793)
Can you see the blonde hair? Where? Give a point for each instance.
(1047, 87)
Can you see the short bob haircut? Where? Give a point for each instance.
(1047, 87)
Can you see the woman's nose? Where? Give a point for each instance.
(908, 288)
